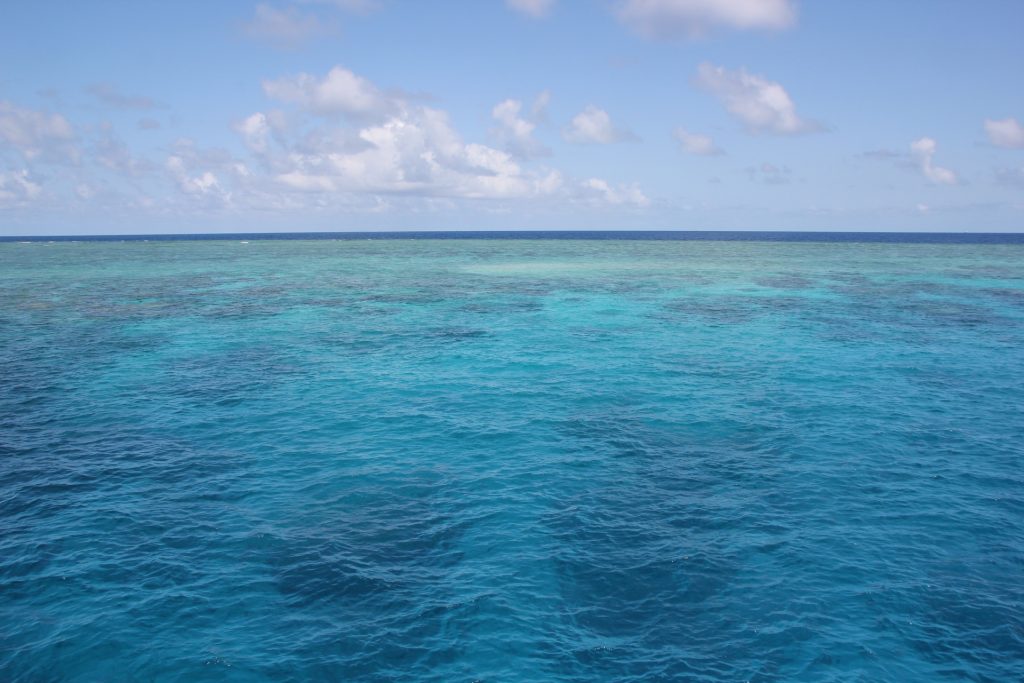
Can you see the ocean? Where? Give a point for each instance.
(512, 457)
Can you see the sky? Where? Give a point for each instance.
(121, 117)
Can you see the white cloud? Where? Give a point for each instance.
(17, 189)
(340, 92)
(763, 106)
(621, 195)
(364, 149)
(668, 19)
(1006, 133)
(402, 148)
(254, 130)
(211, 178)
(922, 150)
(532, 8)
(593, 125)
(287, 28)
(416, 152)
(701, 145)
(371, 149)
(516, 132)
(204, 183)
(37, 135)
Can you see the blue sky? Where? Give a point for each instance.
(119, 117)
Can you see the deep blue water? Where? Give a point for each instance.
(680, 458)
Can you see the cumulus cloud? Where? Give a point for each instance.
(254, 130)
(209, 178)
(531, 8)
(203, 183)
(1007, 133)
(693, 143)
(922, 151)
(594, 126)
(402, 148)
(671, 19)
(37, 135)
(340, 92)
(17, 188)
(345, 145)
(514, 131)
(285, 28)
(621, 195)
(763, 106)
(416, 151)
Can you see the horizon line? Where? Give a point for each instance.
(474, 230)
(636, 234)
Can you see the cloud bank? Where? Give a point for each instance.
(398, 147)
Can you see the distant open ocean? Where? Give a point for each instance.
(512, 456)
(673, 235)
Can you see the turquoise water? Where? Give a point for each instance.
(511, 461)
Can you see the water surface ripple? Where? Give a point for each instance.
(507, 460)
